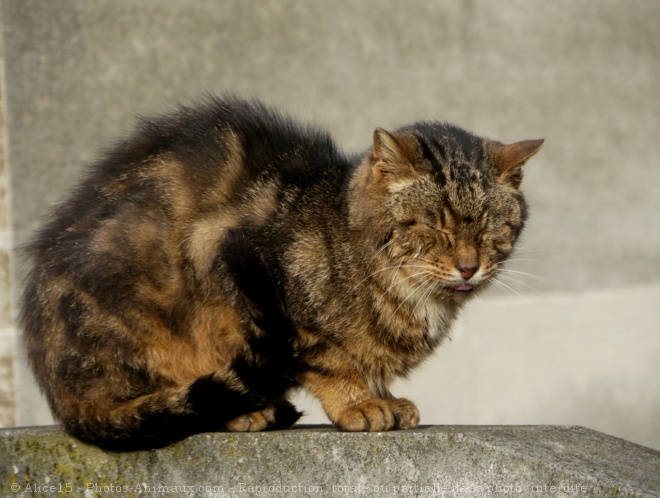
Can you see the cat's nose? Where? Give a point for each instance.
(467, 271)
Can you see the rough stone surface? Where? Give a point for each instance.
(319, 461)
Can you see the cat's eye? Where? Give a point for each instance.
(447, 237)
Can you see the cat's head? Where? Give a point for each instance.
(442, 204)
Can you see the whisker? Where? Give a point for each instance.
(383, 247)
(501, 286)
(530, 275)
(505, 286)
(517, 259)
(411, 293)
(396, 271)
(526, 253)
(409, 277)
(419, 286)
(423, 300)
(390, 268)
(519, 282)
(396, 282)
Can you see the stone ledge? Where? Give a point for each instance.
(319, 461)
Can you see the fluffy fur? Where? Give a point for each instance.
(223, 255)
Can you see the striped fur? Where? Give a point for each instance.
(223, 255)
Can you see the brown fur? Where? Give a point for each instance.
(224, 255)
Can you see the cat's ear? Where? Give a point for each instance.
(508, 159)
(393, 155)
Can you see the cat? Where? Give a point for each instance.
(224, 255)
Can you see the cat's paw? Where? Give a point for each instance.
(376, 415)
(285, 415)
(405, 412)
(253, 422)
(280, 415)
(370, 415)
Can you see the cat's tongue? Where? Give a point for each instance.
(463, 287)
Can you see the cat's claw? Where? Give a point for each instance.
(374, 415)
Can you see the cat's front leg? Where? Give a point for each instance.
(350, 405)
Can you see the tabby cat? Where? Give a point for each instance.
(224, 255)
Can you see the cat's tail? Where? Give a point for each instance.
(158, 419)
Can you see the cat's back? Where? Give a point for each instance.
(148, 219)
(222, 153)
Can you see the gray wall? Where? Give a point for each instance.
(584, 75)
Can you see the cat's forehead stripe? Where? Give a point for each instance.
(432, 156)
(452, 152)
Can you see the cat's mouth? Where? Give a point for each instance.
(463, 287)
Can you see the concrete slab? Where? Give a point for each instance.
(318, 461)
